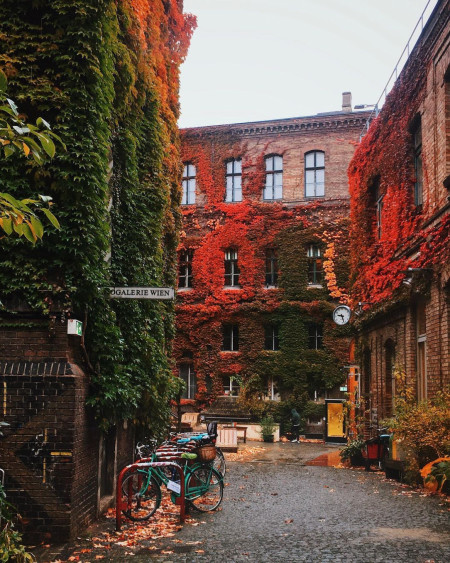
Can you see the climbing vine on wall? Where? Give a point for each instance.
(385, 159)
(252, 226)
(106, 74)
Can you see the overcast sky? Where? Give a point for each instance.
(252, 60)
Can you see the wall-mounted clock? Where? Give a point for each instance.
(342, 314)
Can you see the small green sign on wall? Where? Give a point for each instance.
(74, 327)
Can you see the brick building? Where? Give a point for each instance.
(263, 259)
(399, 180)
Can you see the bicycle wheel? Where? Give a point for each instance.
(204, 488)
(140, 495)
(219, 463)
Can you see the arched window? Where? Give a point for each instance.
(274, 177)
(233, 180)
(189, 182)
(315, 174)
(232, 272)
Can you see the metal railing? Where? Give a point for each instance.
(417, 32)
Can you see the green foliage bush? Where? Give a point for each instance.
(423, 427)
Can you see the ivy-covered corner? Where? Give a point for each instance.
(106, 75)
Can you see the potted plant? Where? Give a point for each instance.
(353, 452)
(268, 428)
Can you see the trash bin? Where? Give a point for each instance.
(376, 450)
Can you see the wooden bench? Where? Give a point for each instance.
(239, 429)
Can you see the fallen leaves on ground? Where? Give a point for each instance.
(163, 524)
(244, 455)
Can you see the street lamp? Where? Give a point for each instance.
(412, 273)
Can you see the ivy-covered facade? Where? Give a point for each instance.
(263, 261)
(105, 74)
(400, 247)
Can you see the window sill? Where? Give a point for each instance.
(229, 351)
(184, 289)
(232, 287)
(270, 287)
(315, 286)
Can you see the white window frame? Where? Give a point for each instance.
(231, 264)
(189, 184)
(315, 188)
(233, 179)
(185, 269)
(273, 189)
(190, 381)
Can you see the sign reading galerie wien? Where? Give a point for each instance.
(142, 292)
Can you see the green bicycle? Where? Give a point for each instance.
(141, 488)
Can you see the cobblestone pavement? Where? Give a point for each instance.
(278, 509)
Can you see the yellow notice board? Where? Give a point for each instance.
(335, 419)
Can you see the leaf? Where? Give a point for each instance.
(28, 233)
(9, 150)
(45, 198)
(26, 149)
(40, 121)
(47, 144)
(53, 220)
(21, 130)
(9, 198)
(37, 226)
(13, 106)
(7, 225)
(18, 227)
(3, 81)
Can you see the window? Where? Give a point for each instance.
(421, 335)
(234, 180)
(230, 340)
(231, 268)
(389, 370)
(185, 268)
(418, 172)
(271, 341)
(271, 267)
(378, 199)
(315, 272)
(315, 174)
(274, 177)
(188, 184)
(188, 376)
(315, 334)
(231, 385)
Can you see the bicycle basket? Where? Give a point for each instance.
(206, 453)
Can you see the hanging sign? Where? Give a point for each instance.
(142, 292)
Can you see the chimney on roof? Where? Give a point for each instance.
(346, 101)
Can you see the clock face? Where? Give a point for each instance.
(341, 315)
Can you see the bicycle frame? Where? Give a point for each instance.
(149, 464)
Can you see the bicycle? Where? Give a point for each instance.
(142, 487)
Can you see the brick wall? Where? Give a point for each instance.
(334, 134)
(50, 450)
(429, 95)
